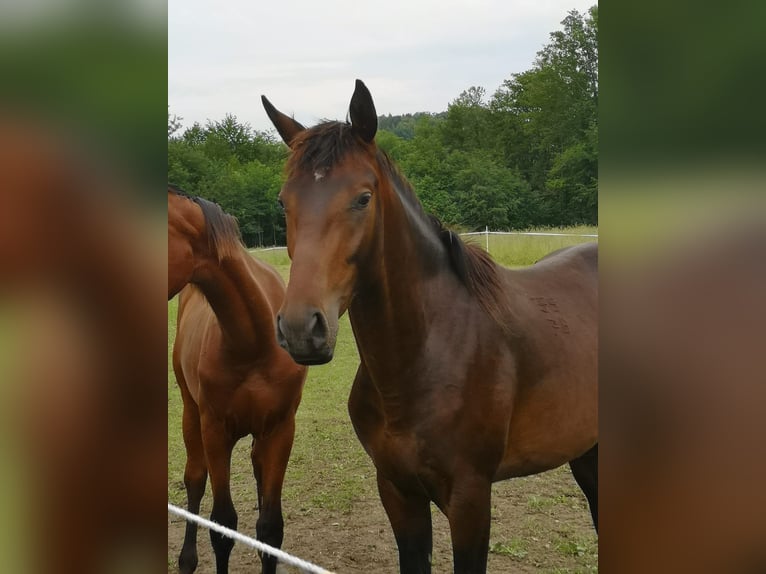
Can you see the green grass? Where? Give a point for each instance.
(544, 503)
(573, 548)
(520, 250)
(276, 257)
(515, 548)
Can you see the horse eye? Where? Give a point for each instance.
(363, 200)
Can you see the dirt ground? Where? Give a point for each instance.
(539, 524)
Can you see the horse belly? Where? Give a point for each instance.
(548, 428)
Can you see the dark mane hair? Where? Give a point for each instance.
(223, 233)
(323, 146)
(476, 269)
(326, 144)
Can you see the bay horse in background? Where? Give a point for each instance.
(470, 372)
(234, 378)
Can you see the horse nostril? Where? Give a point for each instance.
(318, 327)
(305, 338)
(281, 339)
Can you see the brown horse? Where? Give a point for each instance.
(470, 373)
(234, 378)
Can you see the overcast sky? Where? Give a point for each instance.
(304, 55)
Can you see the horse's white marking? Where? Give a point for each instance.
(318, 174)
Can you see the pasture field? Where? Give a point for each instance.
(333, 516)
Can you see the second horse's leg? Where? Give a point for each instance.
(270, 455)
(218, 447)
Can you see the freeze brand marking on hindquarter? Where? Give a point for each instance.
(549, 306)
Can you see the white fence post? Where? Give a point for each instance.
(486, 231)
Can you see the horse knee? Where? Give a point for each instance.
(194, 474)
(194, 481)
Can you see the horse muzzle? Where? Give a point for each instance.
(307, 336)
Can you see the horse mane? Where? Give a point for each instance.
(476, 269)
(324, 145)
(224, 237)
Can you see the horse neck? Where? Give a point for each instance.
(389, 312)
(186, 239)
(240, 303)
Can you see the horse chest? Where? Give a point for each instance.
(402, 453)
(400, 458)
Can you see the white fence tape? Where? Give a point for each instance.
(252, 542)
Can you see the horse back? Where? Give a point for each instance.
(556, 300)
(585, 254)
(555, 326)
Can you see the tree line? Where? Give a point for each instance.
(526, 156)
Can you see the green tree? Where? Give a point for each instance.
(188, 166)
(527, 156)
(240, 168)
(548, 110)
(194, 135)
(174, 124)
(468, 122)
(488, 193)
(573, 181)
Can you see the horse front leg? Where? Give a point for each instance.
(468, 512)
(218, 447)
(410, 518)
(195, 478)
(270, 456)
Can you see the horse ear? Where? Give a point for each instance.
(287, 127)
(364, 119)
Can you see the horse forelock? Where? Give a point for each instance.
(321, 147)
